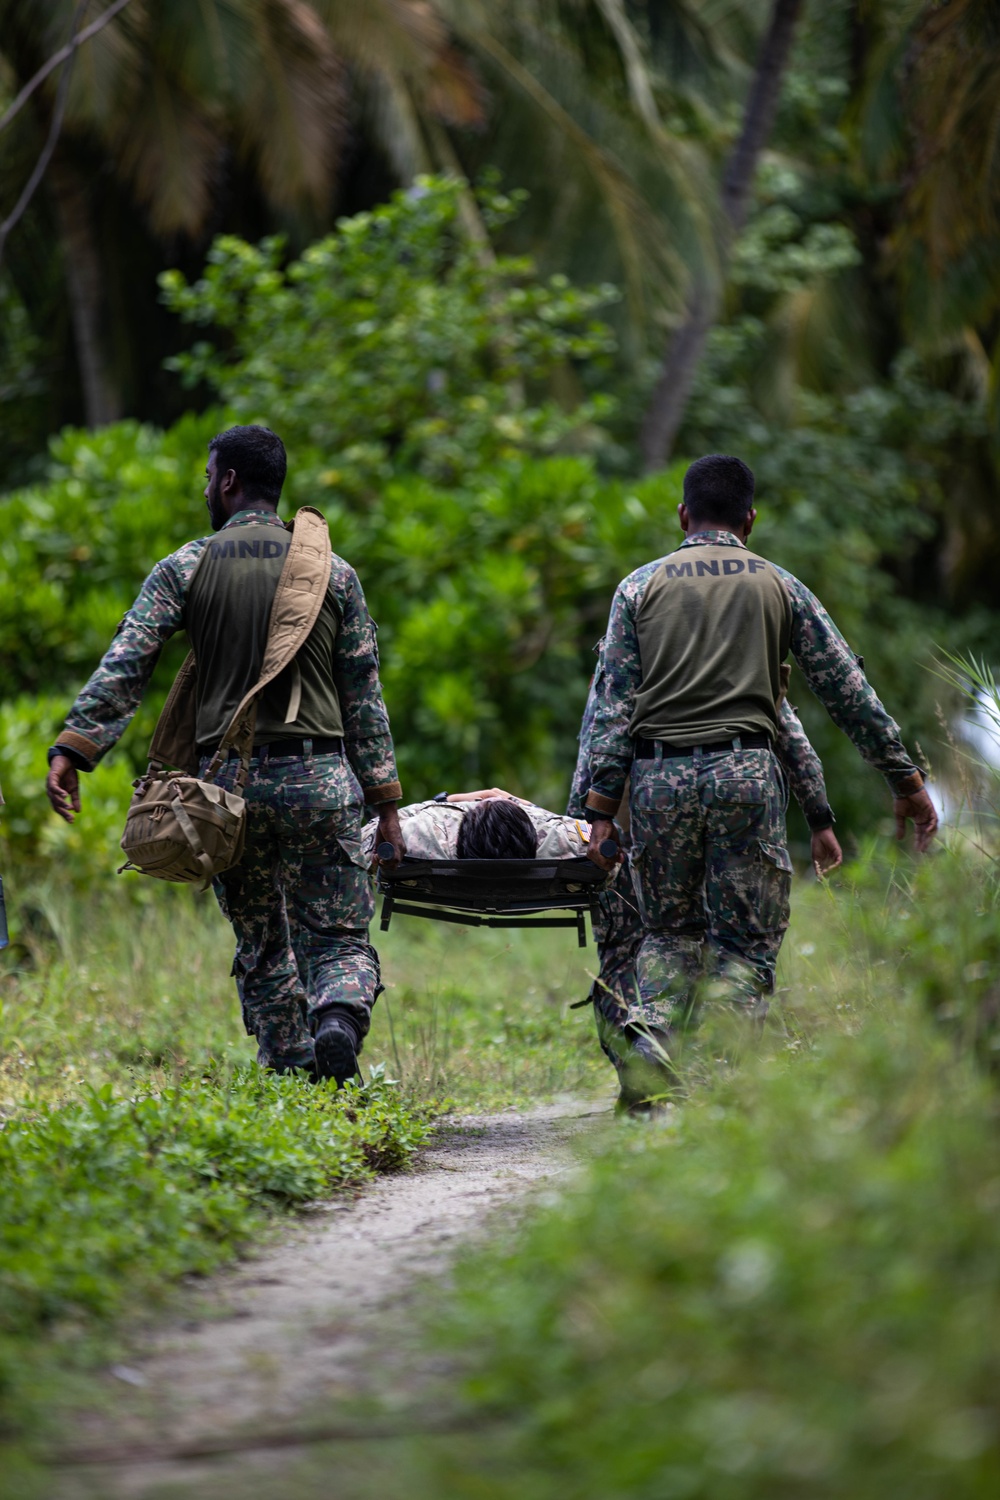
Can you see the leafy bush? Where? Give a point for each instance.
(394, 345)
(74, 549)
(90, 845)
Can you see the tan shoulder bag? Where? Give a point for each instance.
(183, 827)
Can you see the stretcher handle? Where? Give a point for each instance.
(608, 848)
(385, 852)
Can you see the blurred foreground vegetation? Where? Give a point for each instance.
(789, 1285)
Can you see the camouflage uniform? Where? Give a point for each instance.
(619, 928)
(300, 900)
(708, 857)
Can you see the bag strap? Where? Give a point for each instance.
(190, 832)
(298, 600)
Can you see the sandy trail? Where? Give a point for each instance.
(279, 1355)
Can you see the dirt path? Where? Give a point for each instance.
(308, 1344)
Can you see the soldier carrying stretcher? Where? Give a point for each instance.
(300, 900)
(686, 711)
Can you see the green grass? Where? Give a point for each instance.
(140, 1142)
(108, 1199)
(102, 989)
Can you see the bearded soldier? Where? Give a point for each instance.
(300, 900)
(687, 709)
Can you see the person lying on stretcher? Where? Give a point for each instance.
(488, 824)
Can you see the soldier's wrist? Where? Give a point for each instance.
(68, 753)
(820, 819)
(599, 806)
(906, 786)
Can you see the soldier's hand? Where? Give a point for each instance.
(601, 830)
(485, 794)
(389, 832)
(826, 852)
(921, 809)
(62, 787)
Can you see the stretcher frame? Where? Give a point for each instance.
(494, 892)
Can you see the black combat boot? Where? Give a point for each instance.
(338, 1042)
(645, 1074)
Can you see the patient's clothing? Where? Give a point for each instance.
(430, 831)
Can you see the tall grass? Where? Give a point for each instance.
(102, 990)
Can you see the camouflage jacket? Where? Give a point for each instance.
(104, 708)
(430, 831)
(793, 749)
(824, 657)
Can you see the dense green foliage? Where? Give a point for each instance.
(394, 346)
(480, 514)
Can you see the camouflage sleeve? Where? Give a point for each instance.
(367, 738)
(581, 773)
(614, 697)
(104, 708)
(835, 676)
(803, 768)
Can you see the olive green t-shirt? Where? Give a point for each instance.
(713, 626)
(226, 616)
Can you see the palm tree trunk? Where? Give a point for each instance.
(684, 350)
(85, 285)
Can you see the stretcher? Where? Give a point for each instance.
(494, 892)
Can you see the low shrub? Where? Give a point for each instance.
(108, 1199)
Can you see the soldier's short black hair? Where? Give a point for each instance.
(496, 830)
(719, 488)
(257, 457)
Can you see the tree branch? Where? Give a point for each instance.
(61, 56)
(668, 403)
(62, 94)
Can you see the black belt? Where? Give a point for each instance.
(281, 749)
(646, 749)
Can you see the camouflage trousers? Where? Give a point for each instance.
(615, 991)
(712, 877)
(300, 902)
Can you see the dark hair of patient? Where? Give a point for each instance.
(496, 830)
